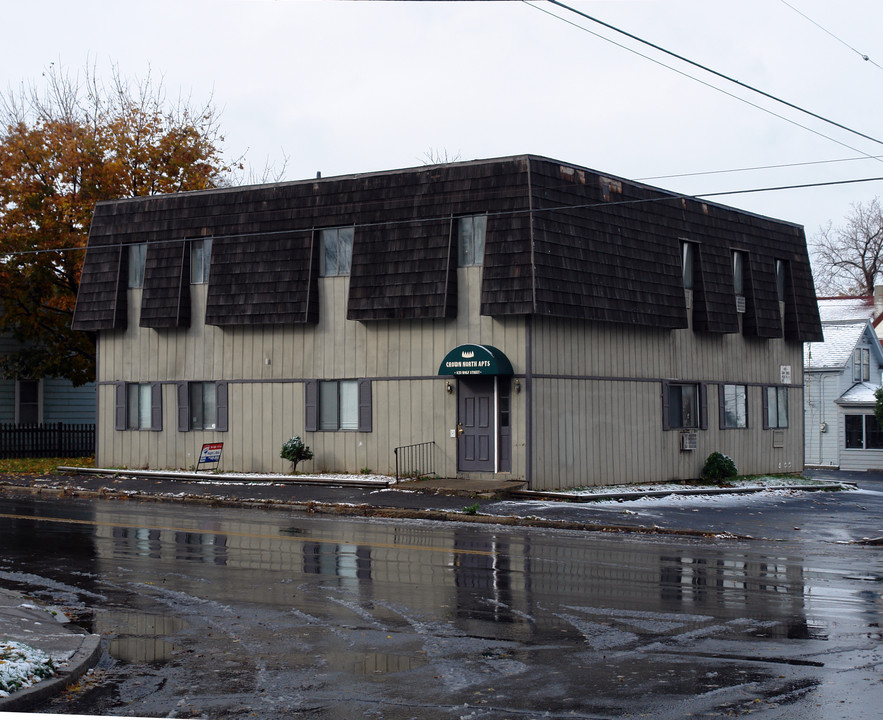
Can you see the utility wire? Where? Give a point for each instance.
(828, 32)
(665, 196)
(705, 68)
(700, 81)
(779, 166)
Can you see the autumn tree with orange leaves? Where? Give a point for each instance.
(66, 143)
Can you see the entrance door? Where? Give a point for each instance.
(476, 423)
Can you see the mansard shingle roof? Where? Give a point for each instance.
(561, 241)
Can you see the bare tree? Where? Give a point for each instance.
(434, 156)
(848, 259)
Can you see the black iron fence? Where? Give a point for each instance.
(415, 460)
(46, 440)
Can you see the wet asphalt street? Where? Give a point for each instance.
(242, 612)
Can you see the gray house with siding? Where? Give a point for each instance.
(525, 317)
(841, 375)
(43, 400)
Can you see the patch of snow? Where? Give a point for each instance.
(22, 666)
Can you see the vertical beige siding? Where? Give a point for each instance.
(266, 368)
(598, 399)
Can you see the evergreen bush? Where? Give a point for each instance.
(718, 467)
(295, 450)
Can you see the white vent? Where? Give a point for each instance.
(689, 440)
(740, 303)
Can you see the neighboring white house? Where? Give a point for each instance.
(841, 375)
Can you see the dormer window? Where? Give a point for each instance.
(336, 253)
(137, 256)
(739, 273)
(780, 279)
(739, 279)
(470, 240)
(200, 260)
(688, 253)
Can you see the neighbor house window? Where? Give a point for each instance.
(734, 406)
(861, 364)
(338, 405)
(335, 257)
(688, 252)
(200, 260)
(863, 432)
(139, 406)
(683, 406)
(137, 255)
(202, 406)
(28, 402)
(471, 232)
(776, 407)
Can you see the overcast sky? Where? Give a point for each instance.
(347, 87)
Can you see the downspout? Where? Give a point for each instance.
(528, 346)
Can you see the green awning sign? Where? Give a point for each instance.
(475, 360)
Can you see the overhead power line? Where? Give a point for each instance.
(753, 168)
(666, 196)
(828, 32)
(707, 69)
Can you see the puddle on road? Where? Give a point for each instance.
(355, 663)
(138, 637)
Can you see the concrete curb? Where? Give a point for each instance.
(222, 477)
(637, 495)
(83, 659)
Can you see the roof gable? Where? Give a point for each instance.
(841, 339)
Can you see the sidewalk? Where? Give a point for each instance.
(73, 651)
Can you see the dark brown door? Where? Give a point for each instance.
(476, 423)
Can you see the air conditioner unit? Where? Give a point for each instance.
(689, 440)
(740, 303)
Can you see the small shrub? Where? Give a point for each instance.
(294, 449)
(471, 509)
(718, 467)
(365, 471)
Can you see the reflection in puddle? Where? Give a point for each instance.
(139, 637)
(363, 663)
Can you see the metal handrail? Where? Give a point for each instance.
(417, 459)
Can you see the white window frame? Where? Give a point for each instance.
(866, 418)
(861, 364)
